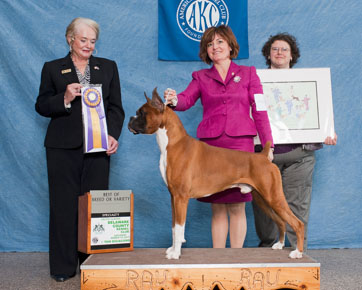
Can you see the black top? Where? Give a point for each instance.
(65, 129)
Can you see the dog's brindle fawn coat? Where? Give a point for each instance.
(193, 169)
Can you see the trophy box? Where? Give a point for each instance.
(105, 221)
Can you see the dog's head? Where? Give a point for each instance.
(149, 117)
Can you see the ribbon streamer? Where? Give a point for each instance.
(96, 135)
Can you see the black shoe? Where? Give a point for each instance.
(62, 278)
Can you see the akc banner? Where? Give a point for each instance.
(181, 24)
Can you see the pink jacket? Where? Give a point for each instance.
(227, 103)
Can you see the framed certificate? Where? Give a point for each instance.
(299, 104)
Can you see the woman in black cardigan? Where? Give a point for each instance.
(71, 172)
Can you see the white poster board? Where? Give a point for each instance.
(111, 219)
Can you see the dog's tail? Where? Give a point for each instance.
(266, 149)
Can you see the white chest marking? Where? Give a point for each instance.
(162, 140)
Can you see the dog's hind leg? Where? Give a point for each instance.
(285, 213)
(178, 230)
(279, 222)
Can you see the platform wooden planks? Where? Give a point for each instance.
(200, 269)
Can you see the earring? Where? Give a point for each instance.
(70, 48)
(96, 51)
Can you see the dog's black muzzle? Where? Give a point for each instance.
(131, 126)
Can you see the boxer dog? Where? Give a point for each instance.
(192, 169)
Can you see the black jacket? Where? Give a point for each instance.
(65, 129)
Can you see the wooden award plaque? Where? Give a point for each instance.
(105, 221)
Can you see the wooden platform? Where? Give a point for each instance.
(200, 269)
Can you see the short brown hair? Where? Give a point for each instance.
(290, 39)
(226, 33)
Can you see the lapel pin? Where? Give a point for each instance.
(232, 73)
(96, 67)
(236, 79)
(65, 71)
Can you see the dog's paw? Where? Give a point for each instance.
(296, 254)
(170, 249)
(173, 254)
(278, 246)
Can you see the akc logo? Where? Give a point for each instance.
(195, 16)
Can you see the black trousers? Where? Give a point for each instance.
(70, 174)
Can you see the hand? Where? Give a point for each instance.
(271, 154)
(331, 141)
(72, 91)
(112, 145)
(170, 97)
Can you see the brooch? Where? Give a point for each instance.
(236, 79)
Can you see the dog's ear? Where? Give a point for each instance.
(157, 101)
(147, 98)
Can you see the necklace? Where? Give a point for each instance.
(83, 79)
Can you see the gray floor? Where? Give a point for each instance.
(341, 269)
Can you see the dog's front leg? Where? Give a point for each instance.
(174, 252)
(171, 249)
(178, 229)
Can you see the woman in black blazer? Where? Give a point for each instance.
(71, 172)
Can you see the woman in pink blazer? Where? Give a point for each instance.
(228, 93)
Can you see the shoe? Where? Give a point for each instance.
(62, 278)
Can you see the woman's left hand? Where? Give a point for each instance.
(330, 140)
(112, 145)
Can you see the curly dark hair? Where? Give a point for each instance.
(290, 39)
(226, 33)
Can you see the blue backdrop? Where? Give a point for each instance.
(32, 32)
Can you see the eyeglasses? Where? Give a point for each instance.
(282, 49)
